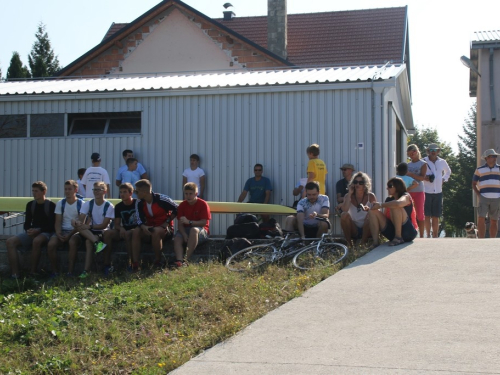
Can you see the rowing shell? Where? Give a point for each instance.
(18, 204)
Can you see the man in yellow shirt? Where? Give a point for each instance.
(316, 168)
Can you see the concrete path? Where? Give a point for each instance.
(431, 307)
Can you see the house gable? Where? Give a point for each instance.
(111, 56)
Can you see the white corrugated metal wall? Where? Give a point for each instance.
(230, 130)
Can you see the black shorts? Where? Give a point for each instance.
(408, 231)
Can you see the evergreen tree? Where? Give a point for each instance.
(16, 68)
(42, 61)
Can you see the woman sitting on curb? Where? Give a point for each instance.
(399, 223)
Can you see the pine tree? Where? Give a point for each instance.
(16, 68)
(42, 61)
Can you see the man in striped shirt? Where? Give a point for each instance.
(486, 184)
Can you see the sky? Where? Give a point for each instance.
(440, 32)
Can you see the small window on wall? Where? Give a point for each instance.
(13, 126)
(49, 125)
(104, 123)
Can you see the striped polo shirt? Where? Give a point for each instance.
(488, 180)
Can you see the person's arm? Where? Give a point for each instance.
(421, 176)
(476, 188)
(243, 195)
(103, 225)
(324, 213)
(145, 176)
(118, 182)
(300, 224)
(347, 200)
(297, 190)
(268, 196)
(447, 171)
(340, 198)
(184, 181)
(413, 185)
(403, 201)
(58, 225)
(202, 186)
(311, 176)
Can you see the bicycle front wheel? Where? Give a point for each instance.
(251, 258)
(326, 255)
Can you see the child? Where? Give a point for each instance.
(402, 170)
(131, 175)
(81, 188)
(316, 168)
(195, 174)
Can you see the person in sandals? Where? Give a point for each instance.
(398, 223)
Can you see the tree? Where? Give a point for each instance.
(16, 68)
(42, 61)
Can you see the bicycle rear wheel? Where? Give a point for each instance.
(251, 258)
(326, 255)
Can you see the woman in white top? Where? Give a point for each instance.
(357, 202)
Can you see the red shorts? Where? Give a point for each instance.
(419, 202)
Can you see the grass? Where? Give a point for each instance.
(146, 323)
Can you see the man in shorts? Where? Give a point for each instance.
(486, 184)
(125, 223)
(94, 219)
(38, 226)
(67, 212)
(193, 218)
(155, 215)
(312, 214)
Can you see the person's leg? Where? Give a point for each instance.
(421, 227)
(53, 245)
(428, 212)
(179, 247)
(12, 244)
(435, 226)
(367, 233)
(36, 251)
(398, 217)
(88, 235)
(377, 222)
(428, 226)
(348, 227)
(136, 245)
(192, 241)
(128, 243)
(157, 242)
(74, 242)
(323, 228)
(109, 236)
(290, 223)
(89, 249)
(481, 227)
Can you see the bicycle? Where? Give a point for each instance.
(324, 253)
(321, 252)
(254, 257)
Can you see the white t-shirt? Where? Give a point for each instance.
(93, 175)
(81, 188)
(98, 212)
(308, 208)
(70, 213)
(193, 176)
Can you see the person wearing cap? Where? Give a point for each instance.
(342, 186)
(438, 172)
(486, 184)
(94, 174)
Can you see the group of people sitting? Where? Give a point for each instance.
(72, 221)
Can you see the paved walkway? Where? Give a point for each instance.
(431, 307)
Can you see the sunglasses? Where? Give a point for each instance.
(493, 156)
(257, 170)
(356, 182)
(390, 186)
(433, 150)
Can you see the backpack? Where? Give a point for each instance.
(246, 230)
(79, 203)
(106, 206)
(270, 229)
(245, 218)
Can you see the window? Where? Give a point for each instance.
(13, 126)
(104, 123)
(50, 125)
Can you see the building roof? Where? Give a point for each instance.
(204, 81)
(481, 40)
(486, 36)
(355, 37)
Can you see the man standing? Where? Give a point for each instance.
(259, 187)
(38, 226)
(438, 172)
(125, 222)
(67, 212)
(155, 213)
(194, 220)
(342, 186)
(310, 209)
(127, 154)
(316, 168)
(94, 174)
(194, 174)
(486, 184)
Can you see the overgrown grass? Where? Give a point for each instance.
(140, 323)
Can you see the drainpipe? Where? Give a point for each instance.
(492, 89)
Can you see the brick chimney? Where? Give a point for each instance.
(277, 27)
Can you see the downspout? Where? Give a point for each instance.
(492, 89)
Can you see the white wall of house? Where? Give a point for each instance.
(230, 128)
(176, 45)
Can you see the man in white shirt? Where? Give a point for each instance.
(438, 172)
(94, 174)
(127, 154)
(195, 174)
(67, 211)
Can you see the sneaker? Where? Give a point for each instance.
(84, 275)
(179, 264)
(108, 270)
(99, 246)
